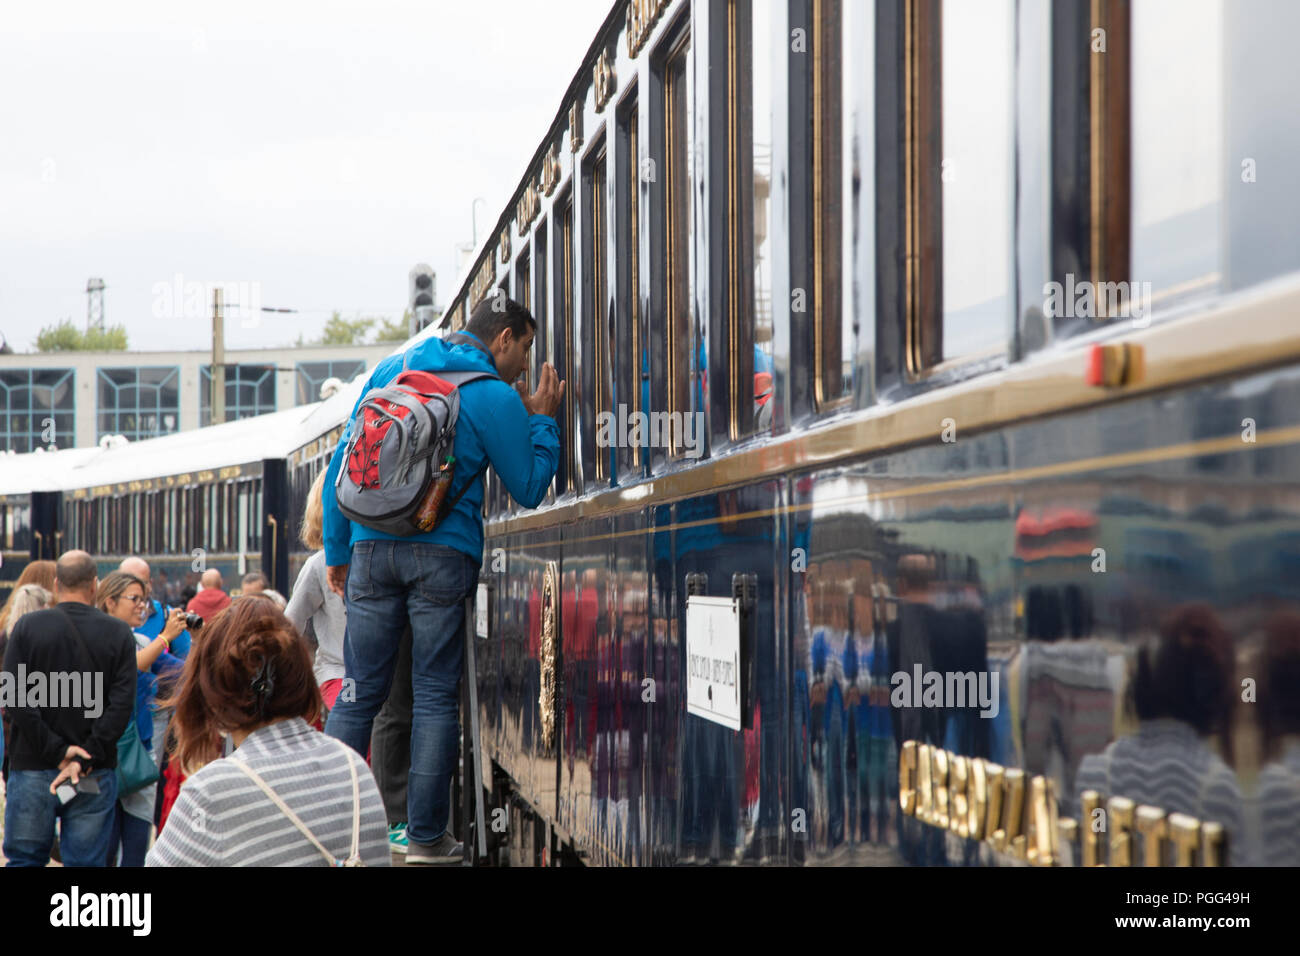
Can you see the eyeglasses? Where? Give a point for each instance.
(133, 598)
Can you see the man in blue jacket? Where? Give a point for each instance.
(426, 578)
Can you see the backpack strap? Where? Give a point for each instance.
(354, 857)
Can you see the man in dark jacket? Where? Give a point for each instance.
(69, 686)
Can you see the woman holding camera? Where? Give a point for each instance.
(122, 596)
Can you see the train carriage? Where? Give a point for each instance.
(957, 345)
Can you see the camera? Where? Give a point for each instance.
(192, 621)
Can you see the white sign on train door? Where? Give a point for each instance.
(713, 659)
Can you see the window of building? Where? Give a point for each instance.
(37, 408)
(311, 375)
(138, 402)
(250, 391)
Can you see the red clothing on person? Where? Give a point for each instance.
(208, 603)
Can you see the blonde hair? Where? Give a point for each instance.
(313, 515)
(36, 572)
(28, 598)
(113, 587)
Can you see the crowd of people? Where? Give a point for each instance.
(238, 730)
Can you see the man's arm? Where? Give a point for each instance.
(27, 720)
(120, 706)
(524, 449)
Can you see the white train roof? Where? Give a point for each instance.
(274, 435)
(40, 470)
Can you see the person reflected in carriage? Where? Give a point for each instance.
(1184, 697)
(1276, 805)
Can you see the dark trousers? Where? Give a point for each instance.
(390, 739)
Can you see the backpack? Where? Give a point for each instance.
(398, 464)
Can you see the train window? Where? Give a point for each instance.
(596, 386)
(681, 361)
(749, 136)
(539, 310)
(1178, 120)
(631, 373)
(565, 478)
(524, 296)
(977, 100)
(817, 313)
(1205, 217)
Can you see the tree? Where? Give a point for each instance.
(341, 331)
(394, 330)
(66, 337)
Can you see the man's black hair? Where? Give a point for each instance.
(495, 313)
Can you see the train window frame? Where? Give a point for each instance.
(566, 482)
(597, 389)
(815, 143)
(672, 278)
(631, 372)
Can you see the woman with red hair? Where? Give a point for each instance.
(287, 795)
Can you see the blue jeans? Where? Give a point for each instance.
(389, 583)
(131, 834)
(30, 812)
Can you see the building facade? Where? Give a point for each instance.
(73, 399)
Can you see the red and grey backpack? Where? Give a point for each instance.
(399, 464)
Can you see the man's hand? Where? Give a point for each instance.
(550, 392)
(338, 579)
(70, 767)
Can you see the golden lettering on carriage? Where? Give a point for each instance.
(603, 80)
(642, 15)
(526, 209)
(1017, 815)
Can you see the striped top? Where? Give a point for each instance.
(222, 818)
(1167, 765)
(1277, 803)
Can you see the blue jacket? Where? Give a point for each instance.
(493, 426)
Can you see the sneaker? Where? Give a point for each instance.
(397, 838)
(447, 849)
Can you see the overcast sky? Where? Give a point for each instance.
(317, 149)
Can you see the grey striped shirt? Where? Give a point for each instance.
(221, 818)
(1167, 765)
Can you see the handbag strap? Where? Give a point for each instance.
(354, 857)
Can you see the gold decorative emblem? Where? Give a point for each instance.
(575, 126)
(980, 800)
(603, 79)
(526, 209)
(504, 244)
(550, 643)
(550, 171)
(642, 15)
